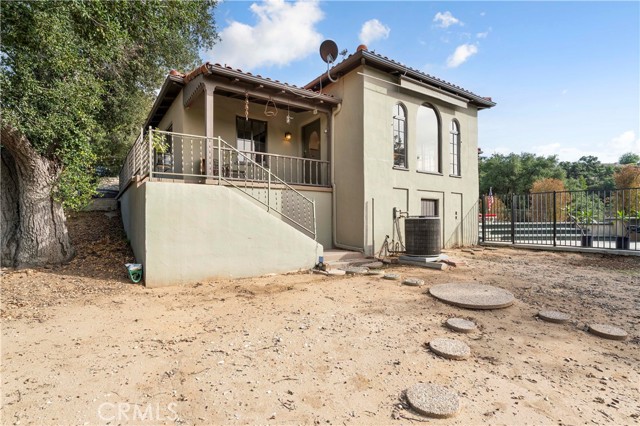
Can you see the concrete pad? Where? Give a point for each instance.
(461, 325)
(425, 259)
(372, 265)
(431, 265)
(554, 316)
(472, 295)
(391, 276)
(607, 331)
(354, 270)
(450, 348)
(337, 272)
(414, 282)
(433, 400)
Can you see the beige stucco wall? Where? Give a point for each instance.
(385, 187)
(132, 208)
(227, 109)
(348, 160)
(190, 233)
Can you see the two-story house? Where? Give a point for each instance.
(246, 175)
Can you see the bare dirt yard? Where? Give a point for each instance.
(83, 345)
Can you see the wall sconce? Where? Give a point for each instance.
(287, 136)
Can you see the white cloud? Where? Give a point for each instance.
(608, 152)
(446, 19)
(461, 54)
(373, 30)
(484, 34)
(284, 32)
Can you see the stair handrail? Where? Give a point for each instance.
(271, 177)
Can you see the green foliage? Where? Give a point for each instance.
(159, 143)
(77, 77)
(629, 158)
(516, 173)
(588, 173)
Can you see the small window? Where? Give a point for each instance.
(428, 140)
(429, 208)
(399, 136)
(454, 136)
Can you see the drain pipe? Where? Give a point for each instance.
(334, 218)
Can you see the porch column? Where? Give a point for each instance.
(208, 119)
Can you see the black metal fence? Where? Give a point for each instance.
(597, 219)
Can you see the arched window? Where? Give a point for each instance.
(399, 136)
(454, 138)
(428, 140)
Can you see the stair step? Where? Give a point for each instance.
(334, 255)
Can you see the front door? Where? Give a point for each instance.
(311, 151)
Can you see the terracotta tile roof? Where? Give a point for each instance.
(215, 68)
(353, 61)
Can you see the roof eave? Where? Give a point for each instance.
(352, 62)
(168, 81)
(275, 85)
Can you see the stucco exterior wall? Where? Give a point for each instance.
(174, 116)
(185, 233)
(348, 160)
(385, 187)
(133, 211)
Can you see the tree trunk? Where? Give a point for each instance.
(34, 232)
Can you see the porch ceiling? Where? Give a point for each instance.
(293, 107)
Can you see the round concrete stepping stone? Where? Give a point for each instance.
(373, 265)
(554, 316)
(414, 282)
(375, 272)
(460, 324)
(336, 272)
(472, 295)
(391, 276)
(450, 348)
(356, 271)
(433, 400)
(608, 331)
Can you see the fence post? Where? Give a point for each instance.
(555, 221)
(513, 219)
(484, 219)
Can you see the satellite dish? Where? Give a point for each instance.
(329, 51)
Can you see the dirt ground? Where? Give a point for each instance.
(83, 345)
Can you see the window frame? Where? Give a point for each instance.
(399, 127)
(438, 153)
(256, 145)
(436, 207)
(455, 146)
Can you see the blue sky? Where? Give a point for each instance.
(565, 75)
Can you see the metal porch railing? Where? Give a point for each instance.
(198, 159)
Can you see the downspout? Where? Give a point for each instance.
(334, 218)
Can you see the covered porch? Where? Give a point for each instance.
(263, 125)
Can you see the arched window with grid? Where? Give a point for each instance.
(454, 148)
(399, 136)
